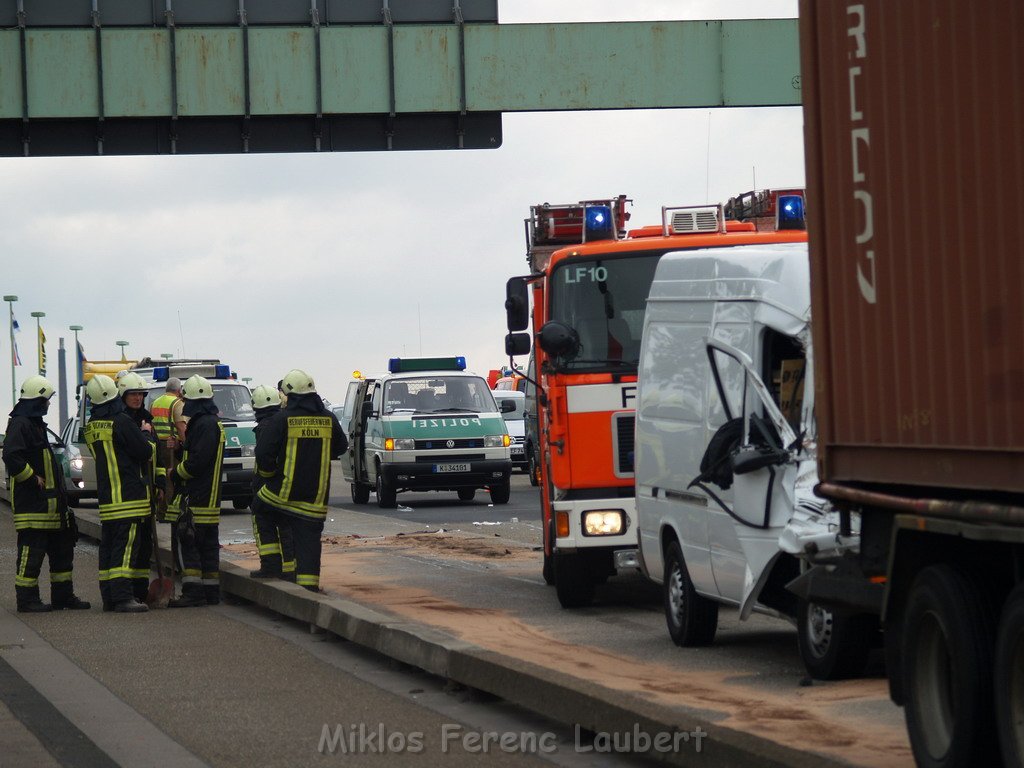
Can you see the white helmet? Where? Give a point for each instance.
(36, 386)
(266, 397)
(197, 388)
(297, 382)
(101, 389)
(131, 382)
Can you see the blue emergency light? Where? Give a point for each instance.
(222, 372)
(411, 364)
(599, 224)
(789, 212)
(161, 374)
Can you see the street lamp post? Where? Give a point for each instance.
(78, 354)
(166, 355)
(247, 379)
(10, 303)
(122, 345)
(39, 349)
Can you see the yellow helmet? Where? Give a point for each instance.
(265, 397)
(36, 386)
(197, 388)
(101, 389)
(131, 382)
(297, 382)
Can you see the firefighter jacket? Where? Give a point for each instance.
(197, 473)
(293, 454)
(28, 455)
(262, 414)
(123, 454)
(139, 415)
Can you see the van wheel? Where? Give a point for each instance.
(466, 494)
(947, 670)
(834, 646)
(74, 500)
(692, 619)
(360, 493)
(501, 492)
(1009, 679)
(386, 496)
(241, 503)
(532, 468)
(573, 583)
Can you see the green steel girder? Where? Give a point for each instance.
(318, 72)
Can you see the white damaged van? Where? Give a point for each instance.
(725, 467)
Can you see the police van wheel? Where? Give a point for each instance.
(241, 503)
(466, 494)
(360, 493)
(501, 492)
(531, 467)
(386, 497)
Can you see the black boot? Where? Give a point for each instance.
(187, 601)
(130, 606)
(264, 573)
(36, 606)
(73, 603)
(212, 594)
(29, 602)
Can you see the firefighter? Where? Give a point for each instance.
(45, 525)
(168, 426)
(133, 390)
(277, 557)
(195, 508)
(293, 454)
(122, 454)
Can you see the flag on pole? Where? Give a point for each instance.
(16, 358)
(42, 352)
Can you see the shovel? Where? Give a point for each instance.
(161, 589)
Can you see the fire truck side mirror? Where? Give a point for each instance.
(517, 344)
(558, 339)
(517, 304)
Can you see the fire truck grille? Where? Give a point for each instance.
(624, 443)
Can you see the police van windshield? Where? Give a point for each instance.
(438, 394)
(604, 301)
(233, 401)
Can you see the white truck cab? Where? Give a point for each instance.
(725, 465)
(426, 425)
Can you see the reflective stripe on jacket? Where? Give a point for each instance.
(200, 469)
(28, 455)
(123, 454)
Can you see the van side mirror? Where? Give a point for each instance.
(517, 344)
(507, 406)
(367, 409)
(752, 459)
(517, 304)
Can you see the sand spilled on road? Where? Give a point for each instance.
(802, 717)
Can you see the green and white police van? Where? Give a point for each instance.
(426, 425)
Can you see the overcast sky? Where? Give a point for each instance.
(335, 262)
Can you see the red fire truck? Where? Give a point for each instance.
(589, 283)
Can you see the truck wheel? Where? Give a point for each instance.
(548, 570)
(466, 494)
(573, 582)
(692, 619)
(532, 468)
(947, 670)
(241, 503)
(386, 496)
(501, 492)
(834, 646)
(360, 493)
(1009, 679)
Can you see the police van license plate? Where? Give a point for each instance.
(517, 450)
(451, 467)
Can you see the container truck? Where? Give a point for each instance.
(915, 156)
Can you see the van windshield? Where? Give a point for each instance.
(439, 394)
(603, 300)
(233, 401)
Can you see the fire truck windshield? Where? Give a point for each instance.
(603, 300)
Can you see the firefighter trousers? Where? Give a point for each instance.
(305, 534)
(199, 559)
(34, 544)
(274, 541)
(125, 546)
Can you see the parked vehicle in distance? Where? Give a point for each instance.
(515, 423)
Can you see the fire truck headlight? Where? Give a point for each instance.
(603, 522)
(495, 441)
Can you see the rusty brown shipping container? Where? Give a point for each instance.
(914, 123)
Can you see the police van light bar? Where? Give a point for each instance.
(599, 223)
(789, 212)
(222, 372)
(161, 374)
(410, 364)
